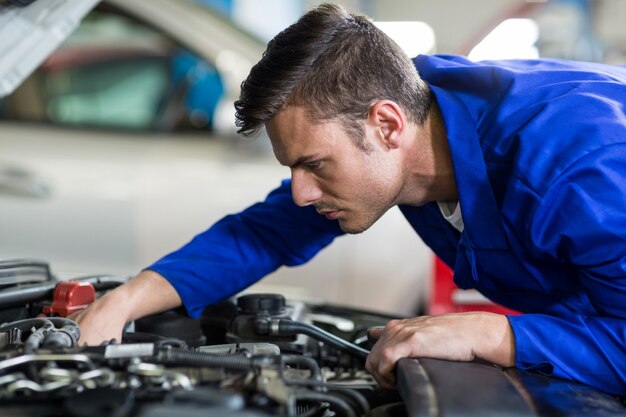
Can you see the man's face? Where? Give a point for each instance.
(330, 172)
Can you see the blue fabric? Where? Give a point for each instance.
(242, 248)
(539, 152)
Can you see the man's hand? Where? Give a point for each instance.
(458, 337)
(147, 293)
(101, 321)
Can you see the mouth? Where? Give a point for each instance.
(330, 214)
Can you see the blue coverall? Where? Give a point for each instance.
(539, 154)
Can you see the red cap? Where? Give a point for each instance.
(70, 297)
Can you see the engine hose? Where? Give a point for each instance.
(62, 322)
(339, 405)
(30, 293)
(27, 324)
(283, 327)
(36, 339)
(353, 395)
(318, 410)
(310, 364)
(49, 331)
(24, 325)
(195, 358)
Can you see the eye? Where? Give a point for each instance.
(313, 165)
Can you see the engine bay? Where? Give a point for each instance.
(257, 355)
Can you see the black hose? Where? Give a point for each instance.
(60, 322)
(41, 325)
(25, 324)
(290, 328)
(37, 338)
(30, 293)
(354, 396)
(64, 334)
(310, 364)
(318, 410)
(339, 405)
(49, 332)
(195, 358)
(24, 294)
(103, 282)
(318, 383)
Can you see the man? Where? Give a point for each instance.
(512, 172)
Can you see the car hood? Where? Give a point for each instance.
(29, 34)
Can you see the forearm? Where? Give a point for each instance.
(147, 293)
(242, 248)
(494, 341)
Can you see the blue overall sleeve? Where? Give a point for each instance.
(242, 248)
(581, 223)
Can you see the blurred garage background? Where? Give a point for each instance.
(121, 146)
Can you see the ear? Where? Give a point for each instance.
(389, 120)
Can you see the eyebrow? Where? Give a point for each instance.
(302, 160)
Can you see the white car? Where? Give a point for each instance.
(120, 148)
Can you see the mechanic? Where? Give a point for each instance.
(513, 172)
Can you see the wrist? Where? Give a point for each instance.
(114, 304)
(146, 294)
(494, 341)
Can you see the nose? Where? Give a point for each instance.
(304, 188)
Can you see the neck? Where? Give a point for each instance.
(429, 163)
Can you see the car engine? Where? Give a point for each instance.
(258, 355)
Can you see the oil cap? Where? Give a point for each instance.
(261, 303)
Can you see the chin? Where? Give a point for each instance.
(354, 229)
(354, 226)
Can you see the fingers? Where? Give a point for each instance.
(374, 333)
(97, 325)
(458, 337)
(382, 369)
(381, 361)
(416, 337)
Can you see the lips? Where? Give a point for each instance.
(330, 215)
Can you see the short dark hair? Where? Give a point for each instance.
(336, 65)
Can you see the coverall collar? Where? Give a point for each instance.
(483, 223)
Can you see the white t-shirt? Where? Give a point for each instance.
(451, 211)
